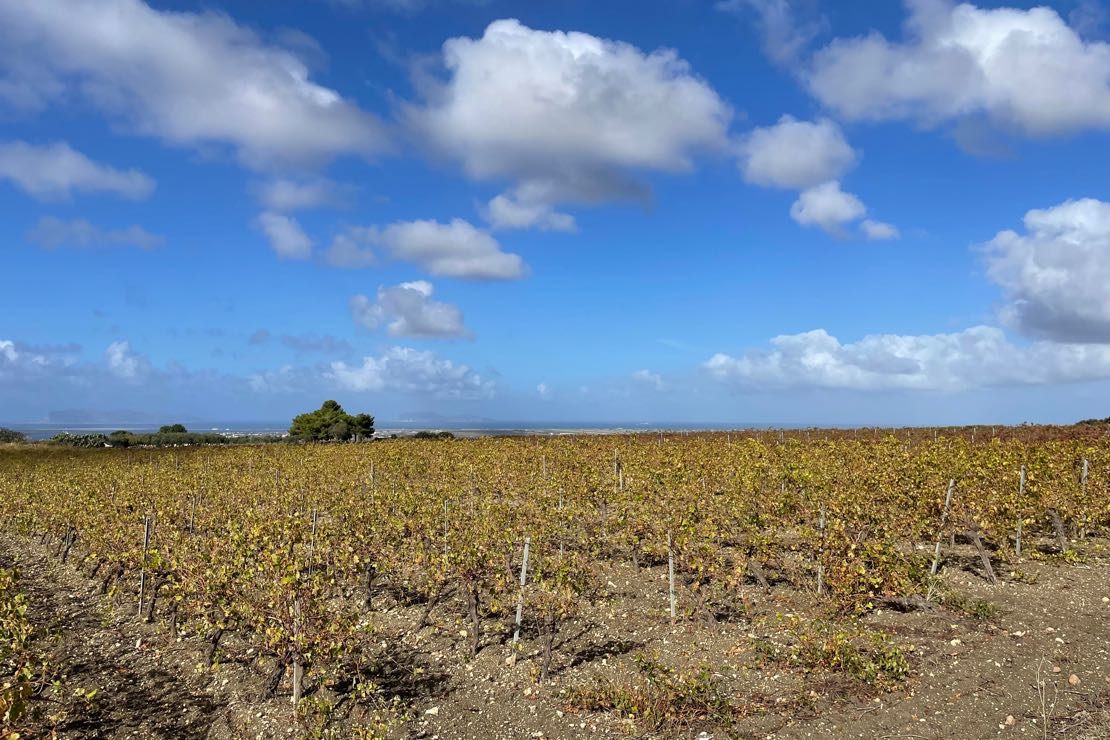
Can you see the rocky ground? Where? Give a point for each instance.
(1036, 666)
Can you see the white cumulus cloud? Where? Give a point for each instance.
(1056, 275)
(981, 356)
(526, 206)
(878, 231)
(409, 311)
(20, 362)
(186, 78)
(407, 370)
(455, 249)
(125, 363)
(289, 194)
(786, 28)
(809, 156)
(56, 171)
(572, 116)
(40, 370)
(795, 154)
(828, 207)
(352, 248)
(1024, 69)
(286, 237)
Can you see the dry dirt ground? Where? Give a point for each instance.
(1038, 668)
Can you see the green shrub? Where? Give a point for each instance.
(663, 699)
(8, 436)
(819, 645)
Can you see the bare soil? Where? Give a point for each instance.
(1038, 668)
(147, 685)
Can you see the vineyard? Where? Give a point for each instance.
(644, 584)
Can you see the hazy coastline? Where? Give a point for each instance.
(46, 430)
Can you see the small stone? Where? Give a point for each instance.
(1073, 680)
(433, 711)
(1010, 721)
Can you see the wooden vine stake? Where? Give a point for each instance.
(562, 540)
(520, 596)
(943, 520)
(1083, 490)
(1021, 518)
(821, 521)
(298, 664)
(147, 522)
(1058, 528)
(67, 543)
(984, 557)
(445, 530)
(670, 574)
(312, 545)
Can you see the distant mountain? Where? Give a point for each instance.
(114, 416)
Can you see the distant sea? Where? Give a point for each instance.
(462, 429)
(49, 429)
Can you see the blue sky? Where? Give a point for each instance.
(792, 211)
